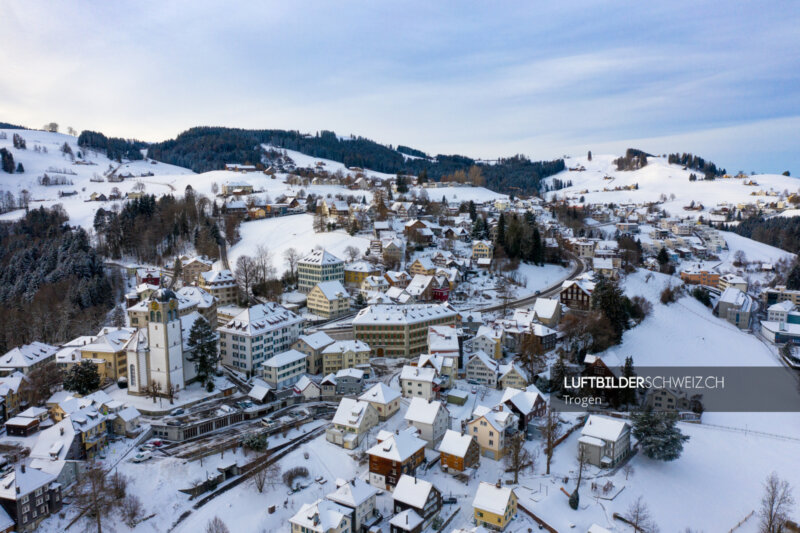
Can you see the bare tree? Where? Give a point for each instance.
(245, 273)
(627, 470)
(518, 459)
(776, 504)
(131, 510)
(41, 383)
(153, 390)
(94, 496)
(214, 188)
(263, 263)
(352, 253)
(531, 353)
(638, 516)
(216, 525)
(582, 463)
(266, 473)
(292, 257)
(139, 186)
(551, 431)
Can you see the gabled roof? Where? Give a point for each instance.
(500, 420)
(524, 400)
(27, 355)
(320, 257)
(322, 515)
(316, 341)
(545, 307)
(332, 290)
(347, 346)
(412, 491)
(454, 443)
(352, 493)
(380, 393)
(284, 358)
(261, 318)
(351, 412)
(490, 498)
(415, 373)
(423, 411)
(303, 383)
(603, 427)
(406, 520)
(487, 361)
(398, 447)
(27, 482)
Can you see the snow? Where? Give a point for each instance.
(380, 393)
(603, 427)
(81, 212)
(658, 178)
(398, 447)
(457, 195)
(454, 443)
(302, 160)
(284, 358)
(333, 290)
(412, 491)
(350, 412)
(422, 411)
(490, 498)
(293, 231)
(402, 314)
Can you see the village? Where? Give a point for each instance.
(401, 377)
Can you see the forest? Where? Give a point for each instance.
(53, 285)
(156, 229)
(115, 148)
(693, 162)
(781, 232)
(209, 148)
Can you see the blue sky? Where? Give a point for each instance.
(485, 79)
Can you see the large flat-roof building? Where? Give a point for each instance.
(401, 330)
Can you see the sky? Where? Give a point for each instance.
(484, 79)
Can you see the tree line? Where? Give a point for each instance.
(115, 148)
(209, 148)
(53, 285)
(694, 162)
(781, 232)
(151, 229)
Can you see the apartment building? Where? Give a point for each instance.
(401, 330)
(317, 267)
(220, 284)
(256, 334)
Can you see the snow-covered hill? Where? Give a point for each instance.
(597, 184)
(81, 211)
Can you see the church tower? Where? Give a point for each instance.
(165, 340)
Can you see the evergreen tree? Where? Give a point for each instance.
(82, 378)
(422, 177)
(537, 250)
(501, 231)
(203, 343)
(402, 188)
(662, 257)
(6, 161)
(658, 434)
(473, 213)
(20, 168)
(607, 297)
(477, 228)
(557, 373)
(574, 500)
(628, 395)
(793, 279)
(589, 156)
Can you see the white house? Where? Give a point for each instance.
(605, 441)
(431, 418)
(418, 382)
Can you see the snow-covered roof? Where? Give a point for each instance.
(419, 284)
(491, 498)
(259, 390)
(603, 427)
(333, 290)
(320, 257)
(398, 447)
(284, 358)
(506, 369)
(218, 277)
(402, 314)
(524, 400)
(19, 483)
(412, 491)
(423, 411)
(500, 420)
(86, 418)
(303, 383)
(350, 372)
(27, 355)
(733, 296)
(261, 318)
(605, 263)
(442, 339)
(350, 412)
(415, 373)
(317, 340)
(491, 332)
(406, 520)
(347, 346)
(380, 393)
(352, 493)
(320, 516)
(785, 305)
(545, 307)
(202, 298)
(454, 443)
(487, 361)
(110, 340)
(129, 414)
(53, 443)
(361, 266)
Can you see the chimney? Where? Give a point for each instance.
(61, 430)
(22, 467)
(498, 484)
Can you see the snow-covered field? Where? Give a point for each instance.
(459, 194)
(658, 178)
(294, 231)
(80, 210)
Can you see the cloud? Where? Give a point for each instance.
(446, 77)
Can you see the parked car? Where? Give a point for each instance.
(474, 390)
(142, 457)
(449, 501)
(177, 412)
(156, 443)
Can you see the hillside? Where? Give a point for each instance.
(80, 173)
(601, 182)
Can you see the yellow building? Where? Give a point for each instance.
(492, 428)
(401, 330)
(355, 273)
(494, 505)
(329, 299)
(482, 250)
(91, 425)
(109, 347)
(221, 284)
(422, 266)
(344, 354)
